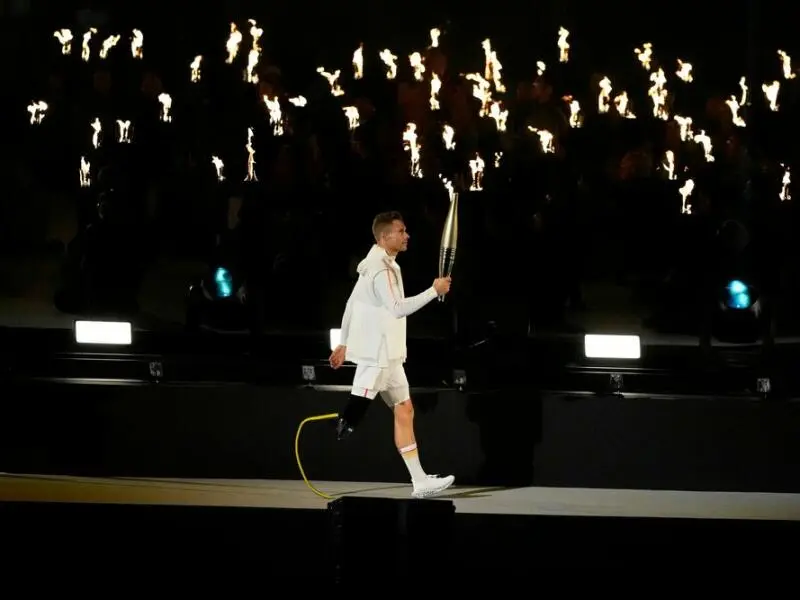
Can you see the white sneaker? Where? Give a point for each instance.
(431, 486)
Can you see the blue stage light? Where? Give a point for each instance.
(223, 282)
(738, 295)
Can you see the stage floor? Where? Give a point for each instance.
(285, 494)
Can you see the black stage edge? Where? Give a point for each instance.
(552, 363)
(513, 437)
(377, 545)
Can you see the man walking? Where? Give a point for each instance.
(374, 338)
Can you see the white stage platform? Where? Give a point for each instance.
(280, 494)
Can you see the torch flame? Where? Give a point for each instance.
(448, 137)
(194, 66)
(137, 41)
(785, 193)
(108, 44)
(390, 60)
(563, 45)
(166, 106)
(219, 167)
(412, 146)
(232, 45)
(37, 109)
(476, 166)
(86, 49)
(251, 157)
(85, 176)
(64, 37)
(686, 191)
(333, 80)
(358, 62)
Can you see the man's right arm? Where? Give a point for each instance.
(386, 289)
(346, 318)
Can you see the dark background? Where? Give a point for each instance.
(513, 437)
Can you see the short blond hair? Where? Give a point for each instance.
(383, 221)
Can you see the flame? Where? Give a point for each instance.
(745, 90)
(412, 146)
(64, 37)
(38, 110)
(684, 71)
(545, 139)
(785, 193)
(97, 128)
(298, 101)
(219, 166)
(499, 115)
(194, 66)
(563, 45)
(786, 65)
(166, 106)
(735, 106)
(390, 60)
(232, 45)
(645, 55)
(705, 141)
(493, 67)
(123, 131)
(415, 60)
(575, 117)
(250, 75)
(476, 166)
(108, 44)
(448, 137)
(481, 90)
(358, 62)
(436, 86)
(658, 94)
(603, 97)
(251, 157)
(85, 173)
(497, 157)
(137, 41)
(771, 92)
(448, 185)
(686, 191)
(669, 164)
(352, 116)
(435, 33)
(333, 80)
(86, 49)
(621, 102)
(275, 115)
(540, 68)
(685, 124)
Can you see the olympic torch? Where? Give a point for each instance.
(447, 249)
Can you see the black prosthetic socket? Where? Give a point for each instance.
(352, 415)
(355, 410)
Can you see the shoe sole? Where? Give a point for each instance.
(432, 492)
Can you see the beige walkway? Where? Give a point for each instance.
(294, 494)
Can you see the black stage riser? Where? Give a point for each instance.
(256, 548)
(484, 439)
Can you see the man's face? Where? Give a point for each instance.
(396, 238)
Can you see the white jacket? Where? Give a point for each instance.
(374, 322)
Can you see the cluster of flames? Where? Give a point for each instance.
(65, 37)
(486, 86)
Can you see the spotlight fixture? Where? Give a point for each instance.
(112, 333)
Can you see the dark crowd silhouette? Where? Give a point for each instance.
(623, 190)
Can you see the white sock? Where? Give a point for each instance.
(411, 458)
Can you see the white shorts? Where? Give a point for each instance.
(390, 382)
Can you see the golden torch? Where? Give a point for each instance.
(447, 249)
